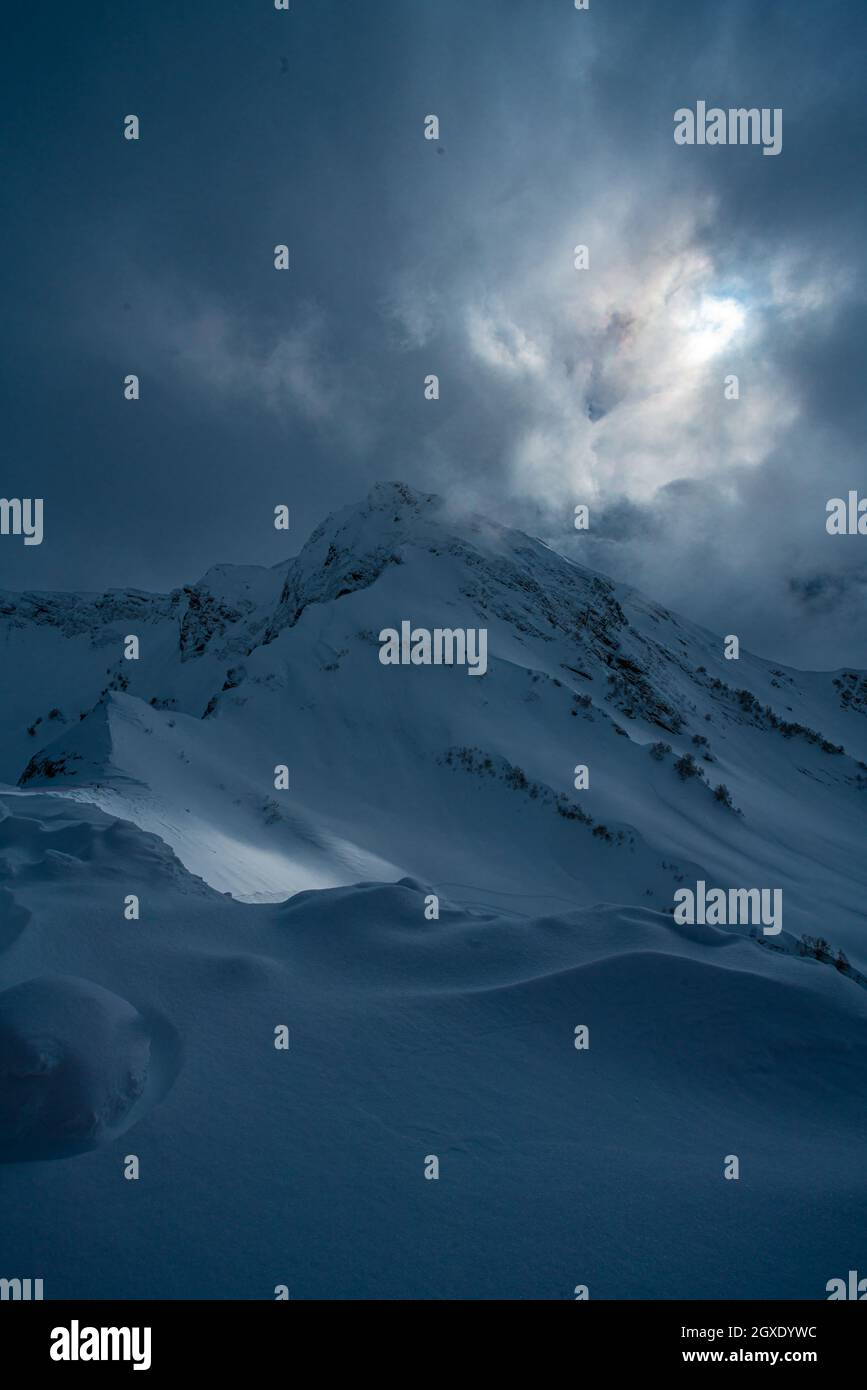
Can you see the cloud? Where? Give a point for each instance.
(557, 386)
(295, 372)
(287, 372)
(608, 386)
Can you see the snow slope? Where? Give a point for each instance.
(412, 1037)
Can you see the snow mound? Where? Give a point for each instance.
(13, 918)
(78, 1066)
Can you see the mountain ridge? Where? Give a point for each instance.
(692, 770)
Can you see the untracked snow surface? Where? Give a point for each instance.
(411, 1037)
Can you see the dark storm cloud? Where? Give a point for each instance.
(824, 592)
(456, 258)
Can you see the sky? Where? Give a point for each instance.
(558, 386)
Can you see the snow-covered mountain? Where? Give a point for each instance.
(466, 783)
(412, 1036)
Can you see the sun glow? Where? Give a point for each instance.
(708, 327)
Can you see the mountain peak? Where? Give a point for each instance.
(352, 547)
(389, 509)
(388, 494)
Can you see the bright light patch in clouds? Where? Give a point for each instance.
(708, 327)
(612, 380)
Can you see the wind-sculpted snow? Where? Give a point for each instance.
(410, 1037)
(78, 1065)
